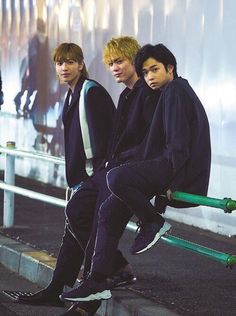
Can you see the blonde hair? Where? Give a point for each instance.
(71, 51)
(123, 46)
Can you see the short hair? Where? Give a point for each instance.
(71, 51)
(159, 52)
(123, 46)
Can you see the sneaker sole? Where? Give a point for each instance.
(165, 228)
(105, 295)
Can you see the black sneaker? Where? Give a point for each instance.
(122, 279)
(89, 290)
(43, 297)
(148, 235)
(83, 309)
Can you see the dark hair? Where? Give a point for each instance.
(159, 52)
(71, 51)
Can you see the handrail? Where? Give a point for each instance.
(33, 195)
(228, 260)
(27, 154)
(11, 152)
(226, 204)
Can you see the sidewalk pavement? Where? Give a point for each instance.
(171, 281)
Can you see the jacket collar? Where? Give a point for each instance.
(76, 94)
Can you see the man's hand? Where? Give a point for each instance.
(169, 194)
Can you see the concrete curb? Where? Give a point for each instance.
(37, 267)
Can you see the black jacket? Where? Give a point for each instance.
(99, 109)
(180, 133)
(133, 119)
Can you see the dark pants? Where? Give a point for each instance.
(132, 186)
(81, 224)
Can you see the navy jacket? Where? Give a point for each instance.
(99, 111)
(180, 134)
(133, 119)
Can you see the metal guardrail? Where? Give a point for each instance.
(227, 204)
(11, 152)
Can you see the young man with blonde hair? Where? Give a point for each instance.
(135, 109)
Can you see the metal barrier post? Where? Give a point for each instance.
(9, 197)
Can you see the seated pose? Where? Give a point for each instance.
(132, 121)
(177, 156)
(136, 105)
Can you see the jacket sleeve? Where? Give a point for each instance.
(100, 112)
(176, 117)
(148, 105)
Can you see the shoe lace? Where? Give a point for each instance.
(84, 278)
(139, 224)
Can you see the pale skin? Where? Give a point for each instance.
(123, 71)
(69, 71)
(156, 76)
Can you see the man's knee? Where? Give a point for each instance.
(109, 210)
(115, 180)
(104, 212)
(70, 212)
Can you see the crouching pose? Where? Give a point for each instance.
(176, 157)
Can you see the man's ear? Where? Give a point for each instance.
(81, 66)
(170, 69)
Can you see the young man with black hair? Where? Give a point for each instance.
(177, 156)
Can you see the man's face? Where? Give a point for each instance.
(68, 71)
(122, 69)
(155, 74)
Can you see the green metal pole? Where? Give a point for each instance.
(226, 204)
(228, 260)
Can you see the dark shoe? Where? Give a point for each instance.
(122, 279)
(83, 309)
(42, 297)
(89, 290)
(148, 235)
